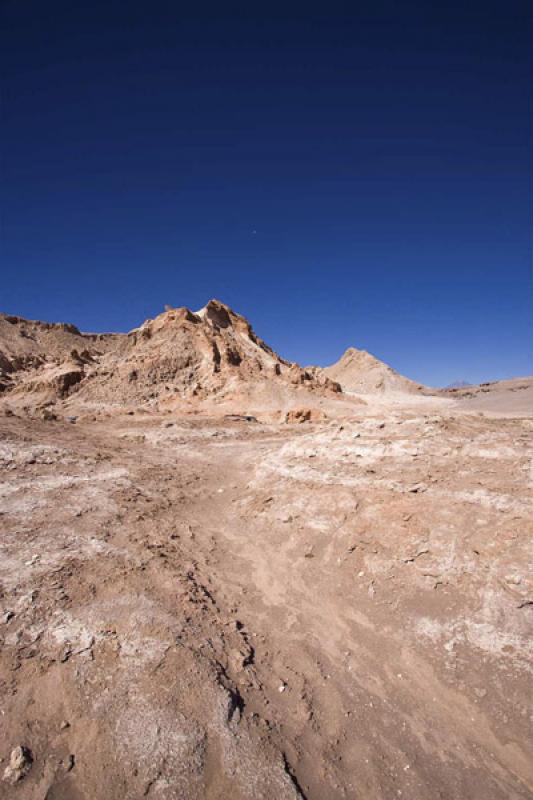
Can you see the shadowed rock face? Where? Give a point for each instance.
(218, 314)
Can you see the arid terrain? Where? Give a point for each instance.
(224, 576)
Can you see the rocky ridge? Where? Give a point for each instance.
(179, 358)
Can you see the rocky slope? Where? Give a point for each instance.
(360, 372)
(179, 359)
(35, 353)
(212, 356)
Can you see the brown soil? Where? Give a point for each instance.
(209, 608)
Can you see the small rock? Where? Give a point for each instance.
(64, 725)
(20, 763)
(6, 616)
(305, 415)
(417, 488)
(282, 688)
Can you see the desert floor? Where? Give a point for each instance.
(203, 608)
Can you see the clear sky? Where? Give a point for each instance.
(341, 173)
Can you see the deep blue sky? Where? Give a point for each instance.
(342, 174)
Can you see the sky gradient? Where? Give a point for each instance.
(342, 174)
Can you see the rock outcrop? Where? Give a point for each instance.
(46, 358)
(179, 359)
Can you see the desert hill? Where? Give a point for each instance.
(212, 356)
(511, 396)
(361, 372)
(179, 358)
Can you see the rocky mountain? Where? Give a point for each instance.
(180, 358)
(360, 372)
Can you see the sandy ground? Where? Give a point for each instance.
(198, 608)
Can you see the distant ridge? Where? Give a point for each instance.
(458, 385)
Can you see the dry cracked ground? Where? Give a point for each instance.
(207, 608)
